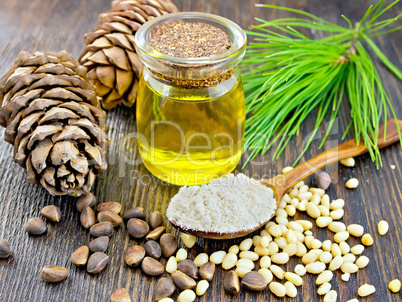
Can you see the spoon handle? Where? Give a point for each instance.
(342, 151)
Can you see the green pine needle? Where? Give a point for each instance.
(288, 75)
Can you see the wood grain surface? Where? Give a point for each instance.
(52, 25)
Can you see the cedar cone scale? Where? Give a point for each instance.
(113, 66)
(55, 122)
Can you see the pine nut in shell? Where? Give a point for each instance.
(189, 268)
(168, 243)
(80, 256)
(152, 267)
(202, 287)
(277, 289)
(231, 282)
(52, 273)
(395, 285)
(35, 226)
(97, 262)
(323, 180)
(164, 288)
(87, 218)
(137, 228)
(383, 227)
(102, 229)
(5, 249)
(134, 255)
(137, 212)
(111, 217)
(207, 271)
(254, 281)
(366, 290)
(155, 219)
(84, 201)
(99, 244)
(156, 233)
(120, 295)
(182, 281)
(114, 207)
(51, 212)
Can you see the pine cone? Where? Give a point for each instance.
(53, 119)
(110, 56)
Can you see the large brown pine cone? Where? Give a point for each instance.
(53, 119)
(110, 56)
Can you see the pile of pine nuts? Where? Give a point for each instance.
(283, 237)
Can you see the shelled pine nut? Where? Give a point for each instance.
(366, 290)
(383, 227)
(324, 288)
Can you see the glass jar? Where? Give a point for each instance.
(190, 110)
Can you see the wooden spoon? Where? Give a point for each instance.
(280, 184)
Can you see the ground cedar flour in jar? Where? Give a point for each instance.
(190, 111)
(226, 205)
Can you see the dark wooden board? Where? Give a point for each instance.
(52, 25)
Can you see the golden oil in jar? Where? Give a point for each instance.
(191, 136)
(190, 102)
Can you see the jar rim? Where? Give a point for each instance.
(236, 34)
